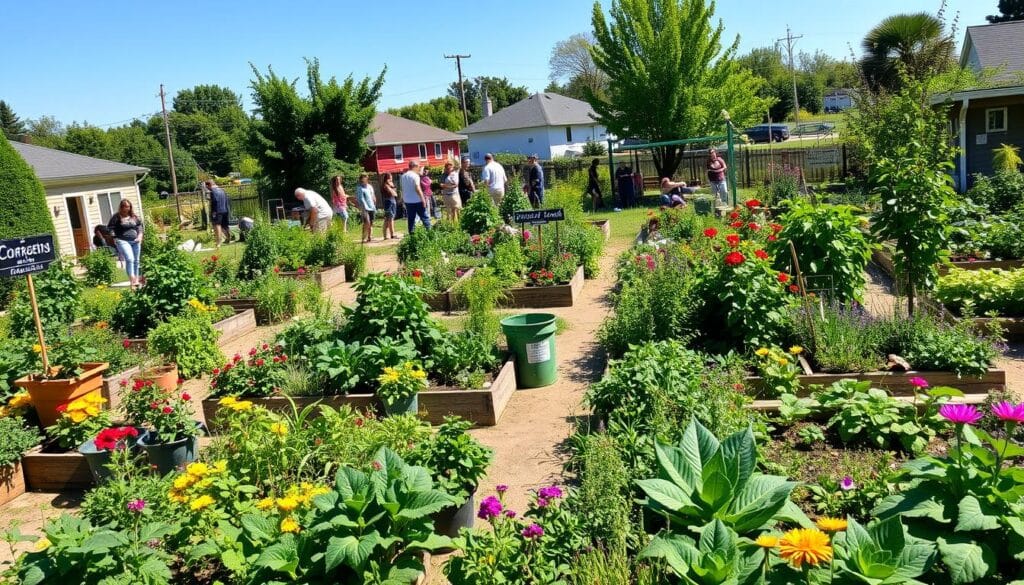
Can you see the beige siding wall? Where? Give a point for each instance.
(58, 192)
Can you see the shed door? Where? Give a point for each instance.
(79, 229)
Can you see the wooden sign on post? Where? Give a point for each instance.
(25, 257)
(540, 217)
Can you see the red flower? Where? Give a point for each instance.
(277, 269)
(772, 238)
(301, 270)
(761, 254)
(733, 240)
(126, 343)
(265, 346)
(252, 351)
(734, 215)
(123, 382)
(213, 258)
(181, 381)
(62, 408)
(711, 232)
(752, 226)
(359, 422)
(168, 410)
(752, 203)
(783, 277)
(736, 224)
(794, 288)
(417, 273)
(216, 371)
(237, 358)
(260, 362)
(186, 396)
(734, 258)
(776, 227)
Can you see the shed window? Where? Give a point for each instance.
(995, 120)
(423, 151)
(437, 150)
(568, 133)
(108, 203)
(399, 157)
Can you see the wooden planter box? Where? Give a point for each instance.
(1013, 327)
(445, 301)
(482, 407)
(230, 329)
(327, 278)
(883, 257)
(244, 304)
(605, 225)
(12, 482)
(56, 472)
(542, 297)
(111, 389)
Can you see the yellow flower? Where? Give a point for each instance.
(37, 348)
(767, 541)
(419, 374)
(201, 502)
(183, 482)
(265, 504)
(829, 524)
(796, 350)
(176, 496)
(318, 490)
(101, 286)
(289, 525)
(20, 400)
(4, 411)
(92, 410)
(220, 466)
(240, 405)
(43, 544)
(95, 399)
(76, 405)
(287, 504)
(762, 352)
(77, 416)
(197, 469)
(228, 401)
(805, 545)
(783, 362)
(279, 429)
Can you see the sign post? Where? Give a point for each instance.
(539, 218)
(26, 256)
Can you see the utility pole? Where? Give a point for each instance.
(789, 38)
(170, 154)
(462, 89)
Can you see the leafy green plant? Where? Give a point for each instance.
(509, 261)
(304, 333)
(172, 280)
(460, 356)
(401, 382)
(260, 252)
(999, 192)
(18, 438)
(882, 554)
(514, 200)
(715, 557)
(339, 363)
(58, 295)
(133, 315)
(479, 215)
(779, 369)
(981, 292)
(99, 267)
(792, 408)
(702, 480)
(602, 502)
(389, 307)
(277, 298)
(457, 461)
(811, 435)
(107, 503)
(483, 291)
(188, 340)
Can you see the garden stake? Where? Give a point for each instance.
(39, 325)
(803, 293)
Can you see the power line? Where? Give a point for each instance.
(789, 38)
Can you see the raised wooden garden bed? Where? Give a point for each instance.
(530, 297)
(883, 258)
(12, 482)
(482, 407)
(327, 278)
(111, 389)
(230, 329)
(1013, 327)
(55, 472)
(605, 225)
(443, 301)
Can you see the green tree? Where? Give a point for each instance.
(288, 125)
(906, 46)
(499, 89)
(443, 112)
(23, 208)
(46, 131)
(10, 123)
(89, 141)
(668, 52)
(209, 122)
(1009, 10)
(572, 63)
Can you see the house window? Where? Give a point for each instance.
(995, 120)
(108, 202)
(437, 150)
(399, 157)
(423, 151)
(568, 133)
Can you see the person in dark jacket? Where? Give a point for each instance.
(219, 212)
(535, 182)
(466, 185)
(594, 186)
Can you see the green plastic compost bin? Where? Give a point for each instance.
(531, 338)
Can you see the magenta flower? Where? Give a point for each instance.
(510, 513)
(847, 484)
(918, 382)
(501, 488)
(136, 505)
(1008, 412)
(533, 531)
(542, 503)
(489, 508)
(961, 414)
(550, 493)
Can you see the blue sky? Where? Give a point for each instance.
(103, 61)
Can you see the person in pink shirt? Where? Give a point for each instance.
(427, 185)
(339, 200)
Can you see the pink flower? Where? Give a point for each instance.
(1008, 412)
(533, 531)
(550, 493)
(847, 484)
(526, 235)
(961, 414)
(501, 488)
(510, 513)
(126, 343)
(490, 507)
(168, 410)
(918, 382)
(301, 270)
(136, 505)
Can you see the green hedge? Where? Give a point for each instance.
(23, 209)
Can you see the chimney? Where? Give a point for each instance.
(487, 106)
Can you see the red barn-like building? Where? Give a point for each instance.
(395, 141)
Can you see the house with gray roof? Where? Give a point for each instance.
(81, 192)
(546, 124)
(986, 117)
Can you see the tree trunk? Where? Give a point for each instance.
(667, 159)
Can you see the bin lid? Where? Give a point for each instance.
(528, 320)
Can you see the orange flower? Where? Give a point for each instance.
(805, 545)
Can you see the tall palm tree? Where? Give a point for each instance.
(916, 43)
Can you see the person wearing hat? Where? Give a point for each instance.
(493, 175)
(535, 182)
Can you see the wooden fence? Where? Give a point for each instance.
(756, 166)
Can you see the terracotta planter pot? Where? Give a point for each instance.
(164, 377)
(12, 482)
(47, 395)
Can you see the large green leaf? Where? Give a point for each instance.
(759, 501)
(675, 467)
(716, 537)
(423, 503)
(739, 454)
(915, 559)
(350, 551)
(888, 534)
(666, 494)
(966, 560)
(698, 446)
(259, 527)
(975, 515)
(281, 556)
(677, 551)
(917, 502)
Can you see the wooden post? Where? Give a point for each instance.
(803, 293)
(39, 325)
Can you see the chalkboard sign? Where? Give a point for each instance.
(24, 256)
(539, 216)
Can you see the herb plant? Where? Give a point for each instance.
(457, 461)
(18, 438)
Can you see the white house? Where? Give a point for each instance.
(837, 100)
(81, 192)
(546, 124)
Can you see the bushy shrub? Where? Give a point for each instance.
(188, 340)
(18, 438)
(260, 253)
(58, 295)
(515, 200)
(509, 261)
(1000, 192)
(23, 209)
(390, 307)
(133, 315)
(277, 298)
(479, 215)
(100, 267)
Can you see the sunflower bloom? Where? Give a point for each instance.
(265, 504)
(279, 429)
(762, 352)
(287, 504)
(831, 525)
(796, 350)
(767, 541)
(201, 502)
(290, 525)
(805, 545)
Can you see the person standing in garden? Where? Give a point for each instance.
(535, 182)
(220, 211)
(493, 175)
(320, 213)
(450, 192)
(339, 200)
(594, 186)
(466, 185)
(127, 228)
(390, 195)
(716, 176)
(427, 186)
(413, 197)
(367, 202)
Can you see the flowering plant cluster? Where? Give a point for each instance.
(18, 404)
(401, 382)
(542, 277)
(260, 372)
(780, 369)
(198, 486)
(80, 420)
(288, 507)
(167, 414)
(115, 438)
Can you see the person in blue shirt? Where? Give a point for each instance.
(219, 212)
(535, 182)
(367, 202)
